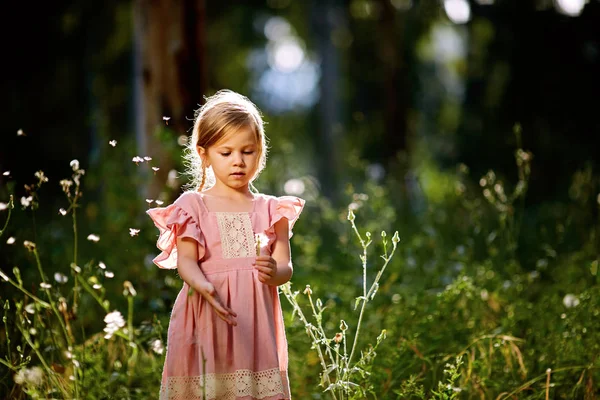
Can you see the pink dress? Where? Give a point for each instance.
(207, 358)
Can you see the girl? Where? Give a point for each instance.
(230, 245)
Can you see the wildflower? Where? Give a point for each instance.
(6, 173)
(97, 286)
(26, 201)
(146, 158)
(102, 265)
(149, 201)
(62, 212)
(113, 143)
(343, 326)
(338, 337)
(4, 276)
(157, 346)
(29, 376)
(308, 290)
(66, 184)
(166, 119)
(137, 159)
(3, 206)
(351, 216)
(41, 177)
(10, 240)
(29, 245)
(74, 164)
(133, 231)
(20, 132)
(155, 169)
(60, 278)
(353, 207)
(114, 322)
(76, 268)
(570, 300)
(93, 237)
(159, 202)
(128, 289)
(109, 274)
(30, 308)
(45, 285)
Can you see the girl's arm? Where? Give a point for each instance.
(277, 269)
(187, 265)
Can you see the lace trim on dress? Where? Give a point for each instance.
(237, 237)
(240, 383)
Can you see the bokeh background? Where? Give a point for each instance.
(410, 112)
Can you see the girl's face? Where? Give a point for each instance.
(234, 159)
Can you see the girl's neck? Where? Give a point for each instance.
(241, 195)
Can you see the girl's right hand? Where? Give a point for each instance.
(207, 290)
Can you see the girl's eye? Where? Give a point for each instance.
(225, 154)
(248, 152)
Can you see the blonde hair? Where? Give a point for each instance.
(223, 113)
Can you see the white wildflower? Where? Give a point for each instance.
(133, 231)
(20, 132)
(137, 159)
(157, 346)
(146, 158)
(26, 201)
(10, 240)
(45, 285)
(41, 177)
(3, 206)
(74, 164)
(29, 245)
(62, 212)
(570, 300)
(30, 308)
(102, 265)
(159, 202)
(155, 169)
(93, 237)
(29, 376)
(60, 278)
(113, 143)
(114, 322)
(109, 274)
(6, 173)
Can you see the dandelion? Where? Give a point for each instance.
(29, 376)
(60, 278)
(74, 165)
(114, 321)
(157, 346)
(45, 285)
(93, 237)
(102, 265)
(159, 202)
(113, 143)
(62, 212)
(29, 245)
(3, 206)
(11, 240)
(26, 201)
(133, 231)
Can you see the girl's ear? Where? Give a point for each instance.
(203, 156)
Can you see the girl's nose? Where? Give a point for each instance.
(239, 159)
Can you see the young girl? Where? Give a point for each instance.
(226, 337)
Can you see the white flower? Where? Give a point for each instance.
(149, 201)
(10, 240)
(45, 285)
(146, 158)
(30, 308)
(114, 322)
(3, 206)
(6, 173)
(102, 265)
(93, 237)
(20, 132)
(62, 212)
(109, 274)
(41, 177)
(26, 201)
(60, 278)
(113, 143)
(155, 169)
(570, 300)
(28, 376)
(157, 346)
(159, 202)
(133, 231)
(29, 245)
(137, 159)
(74, 164)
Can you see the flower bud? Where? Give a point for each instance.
(343, 326)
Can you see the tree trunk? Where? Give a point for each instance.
(170, 76)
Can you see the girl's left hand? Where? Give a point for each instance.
(266, 267)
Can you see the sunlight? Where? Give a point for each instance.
(458, 11)
(285, 55)
(571, 8)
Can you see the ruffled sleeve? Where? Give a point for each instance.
(288, 207)
(174, 222)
